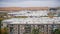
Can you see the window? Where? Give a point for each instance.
(27, 28)
(11, 24)
(28, 12)
(11, 29)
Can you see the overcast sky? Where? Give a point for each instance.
(29, 3)
(24, 0)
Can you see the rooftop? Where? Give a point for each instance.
(41, 20)
(22, 8)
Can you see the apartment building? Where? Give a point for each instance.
(25, 20)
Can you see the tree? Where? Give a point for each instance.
(50, 14)
(35, 31)
(4, 30)
(0, 25)
(56, 31)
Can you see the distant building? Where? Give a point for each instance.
(25, 20)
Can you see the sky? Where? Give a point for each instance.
(29, 3)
